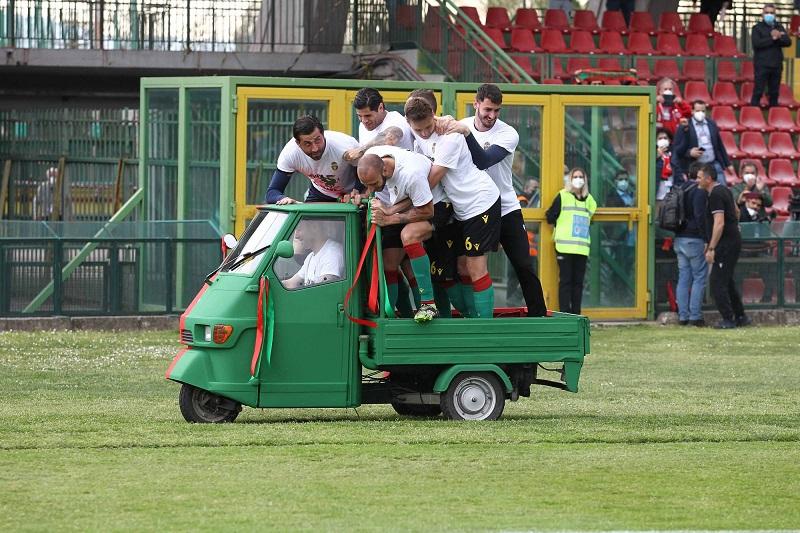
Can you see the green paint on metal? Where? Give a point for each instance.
(444, 379)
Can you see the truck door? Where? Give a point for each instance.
(310, 364)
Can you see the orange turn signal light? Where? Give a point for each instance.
(222, 333)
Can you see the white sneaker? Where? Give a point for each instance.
(426, 313)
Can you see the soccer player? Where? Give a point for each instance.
(402, 175)
(318, 154)
(474, 197)
(492, 143)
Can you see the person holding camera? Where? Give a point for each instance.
(751, 183)
(699, 141)
(671, 110)
(753, 209)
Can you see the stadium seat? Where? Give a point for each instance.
(751, 118)
(780, 118)
(760, 171)
(524, 61)
(729, 142)
(666, 68)
(730, 177)
(643, 72)
(789, 289)
(497, 36)
(639, 44)
(670, 22)
(432, 33)
(694, 70)
(724, 93)
(667, 44)
(794, 25)
(725, 118)
(725, 46)
(780, 199)
(752, 143)
(553, 42)
(609, 63)
(455, 62)
(752, 290)
(582, 42)
(786, 97)
(584, 19)
(527, 18)
(746, 93)
(697, 45)
(557, 69)
(497, 17)
(747, 73)
(696, 90)
(726, 71)
(556, 19)
(614, 21)
(577, 63)
(407, 17)
(611, 43)
(700, 24)
(522, 41)
(780, 143)
(782, 172)
(472, 13)
(643, 22)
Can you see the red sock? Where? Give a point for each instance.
(481, 284)
(466, 280)
(414, 250)
(392, 276)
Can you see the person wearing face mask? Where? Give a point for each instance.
(571, 212)
(671, 110)
(768, 38)
(751, 182)
(663, 163)
(753, 210)
(699, 141)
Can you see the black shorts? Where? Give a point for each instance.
(390, 236)
(441, 247)
(481, 233)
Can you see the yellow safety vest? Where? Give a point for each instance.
(572, 226)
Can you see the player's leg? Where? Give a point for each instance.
(408, 272)
(413, 235)
(481, 236)
(393, 253)
(514, 239)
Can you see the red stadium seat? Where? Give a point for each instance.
(609, 63)
(794, 25)
(670, 22)
(584, 19)
(696, 90)
(553, 41)
(730, 177)
(694, 70)
(639, 44)
(407, 17)
(527, 66)
(760, 172)
(497, 36)
(668, 45)
(666, 68)
(752, 290)
(747, 71)
(724, 93)
(697, 45)
(751, 118)
(556, 19)
(729, 142)
(700, 23)
(746, 93)
(527, 18)
(780, 143)
(577, 63)
(643, 69)
(614, 21)
(522, 41)
(642, 21)
(726, 71)
(472, 13)
(455, 62)
(725, 118)
(782, 172)
(752, 143)
(789, 289)
(432, 33)
(557, 70)
(780, 199)
(582, 42)
(725, 46)
(611, 43)
(497, 17)
(780, 118)
(786, 97)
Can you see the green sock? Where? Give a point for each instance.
(483, 295)
(442, 301)
(468, 298)
(456, 297)
(421, 266)
(414, 288)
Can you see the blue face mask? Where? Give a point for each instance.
(769, 18)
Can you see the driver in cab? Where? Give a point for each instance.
(325, 260)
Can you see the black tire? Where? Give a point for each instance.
(418, 410)
(203, 407)
(474, 396)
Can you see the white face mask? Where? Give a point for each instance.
(578, 183)
(662, 143)
(752, 212)
(666, 92)
(622, 185)
(749, 178)
(699, 116)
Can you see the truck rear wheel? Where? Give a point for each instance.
(474, 396)
(413, 409)
(203, 407)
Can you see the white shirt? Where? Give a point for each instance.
(331, 175)
(327, 263)
(506, 138)
(704, 141)
(392, 118)
(410, 176)
(470, 190)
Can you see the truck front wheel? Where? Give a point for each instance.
(203, 407)
(474, 396)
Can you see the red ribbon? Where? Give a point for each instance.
(263, 290)
(372, 299)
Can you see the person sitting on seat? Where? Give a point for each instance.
(324, 263)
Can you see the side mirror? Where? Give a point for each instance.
(229, 242)
(284, 249)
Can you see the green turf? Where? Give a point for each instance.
(673, 428)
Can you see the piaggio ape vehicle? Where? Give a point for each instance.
(254, 337)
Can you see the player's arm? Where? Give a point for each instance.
(390, 136)
(414, 214)
(484, 159)
(280, 179)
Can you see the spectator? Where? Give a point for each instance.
(622, 195)
(751, 182)
(626, 6)
(699, 141)
(690, 247)
(564, 5)
(712, 8)
(753, 209)
(724, 246)
(671, 110)
(529, 197)
(768, 38)
(663, 164)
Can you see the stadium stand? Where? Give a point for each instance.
(725, 118)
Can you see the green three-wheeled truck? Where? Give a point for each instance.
(255, 336)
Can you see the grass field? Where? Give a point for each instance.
(672, 429)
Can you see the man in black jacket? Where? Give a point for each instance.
(768, 38)
(699, 141)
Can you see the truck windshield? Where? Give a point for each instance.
(258, 236)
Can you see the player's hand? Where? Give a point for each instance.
(353, 154)
(447, 124)
(286, 201)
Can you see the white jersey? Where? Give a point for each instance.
(331, 175)
(325, 265)
(470, 190)
(410, 176)
(506, 138)
(392, 118)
